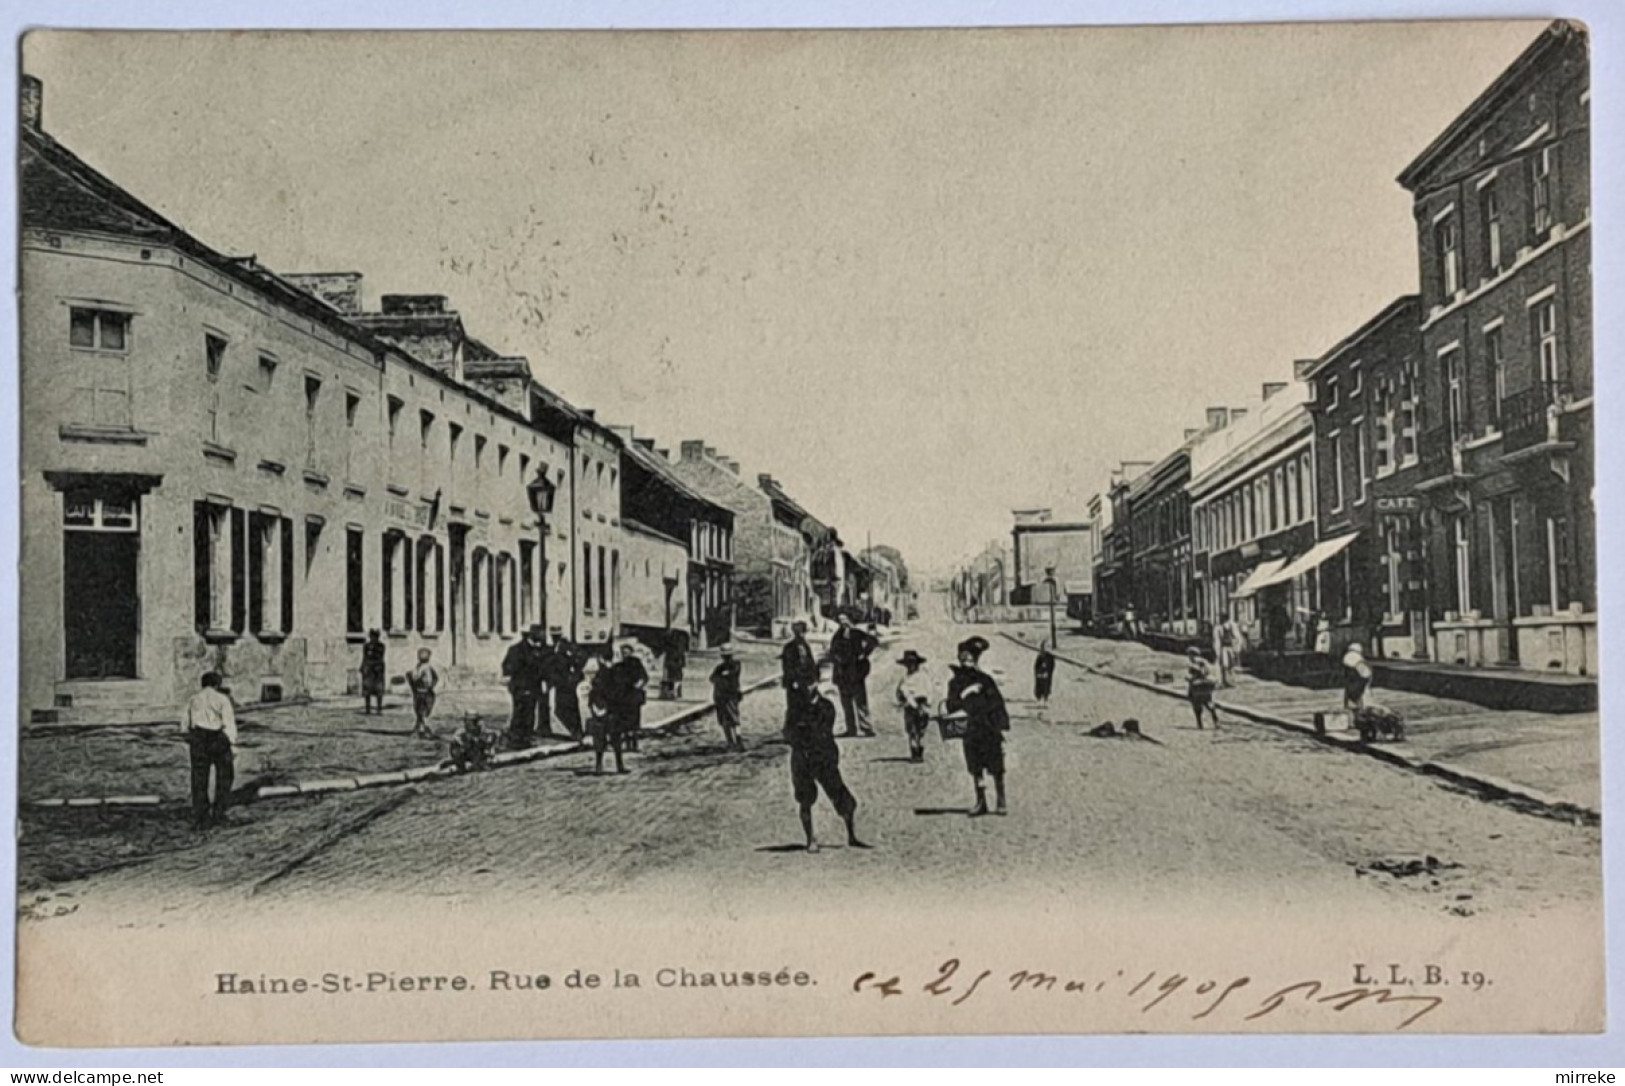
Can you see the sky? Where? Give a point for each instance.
(921, 277)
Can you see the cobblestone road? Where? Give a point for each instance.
(1243, 813)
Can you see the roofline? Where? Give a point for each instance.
(1556, 34)
(640, 528)
(1388, 313)
(279, 290)
(1058, 526)
(661, 468)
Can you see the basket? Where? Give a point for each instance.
(951, 728)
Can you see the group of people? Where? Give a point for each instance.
(973, 708)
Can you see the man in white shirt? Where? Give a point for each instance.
(210, 727)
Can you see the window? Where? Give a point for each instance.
(219, 540)
(98, 329)
(1489, 210)
(479, 590)
(425, 428)
(1362, 460)
(524, 468)
(1540, 193)
(527, 583)
(479, 451)
(1495, 352)
(502, 459)
(1446, 244)
(603, 577)
(1464, 556)
(586, 576)
(1407, 425)
(1306, 479)
(1337, 472)
(352, 404)
(1392, 558)
(1383, 424)
(313, 393)
(397, 581)
(1356, 380)
(1455, 393)
(1546, 331)
(355, 602)
(428, 570)
(1557, 561)
(270, 574)
(1294, 503)
(313, 539)
(396, 405)
(456, 433)
(214, 356)
(267, 372)
(1331, 393)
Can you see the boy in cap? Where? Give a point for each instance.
(726, 696)
(1199, 686)
(799, 668)
(815, 762)
(974, 695)
(914, 697)
(423, 680)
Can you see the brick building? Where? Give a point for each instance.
(1159, 529)
(1364, 401)
(1506, 449)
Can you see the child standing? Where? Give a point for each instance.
(914, 698)
(726, 696)
(423, 680)
(1199, 686)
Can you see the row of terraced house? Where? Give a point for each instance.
(1425, 486)
(233, 469)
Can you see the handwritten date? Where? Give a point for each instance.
(1168, 993)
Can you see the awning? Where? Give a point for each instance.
(1315, 556)
(1258, 578)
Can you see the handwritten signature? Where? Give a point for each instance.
(1175, 993)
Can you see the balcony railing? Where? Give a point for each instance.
(1527, 419)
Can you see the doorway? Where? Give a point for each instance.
(101, 598)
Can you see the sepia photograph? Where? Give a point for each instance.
(765, 533)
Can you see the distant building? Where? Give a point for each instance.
(656, 498)
(772, 549)
(1252, 495)
(1503, 214)
(1045, 547)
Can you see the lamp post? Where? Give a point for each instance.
(1049, 579)
(541, 492)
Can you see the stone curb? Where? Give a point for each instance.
(1520, 797)
(407, 776)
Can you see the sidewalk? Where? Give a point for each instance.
(278, 745)
(1559, 755)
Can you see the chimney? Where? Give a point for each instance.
(1237, 414)
(764, 479)
(1191, 432)
(31, 102)
(664, 454)
(1218, 418)
(340, 290)
(692, 450)
(648, 443)
(1272, 387)
(413, 305)
(730, 463)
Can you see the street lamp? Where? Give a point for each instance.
(1049, 579)
(541, 492)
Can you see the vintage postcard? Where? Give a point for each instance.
(702, 534)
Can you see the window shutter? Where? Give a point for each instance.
(406, 554)
(287, 575)
(202, 572)
(386, 567)
(256, 572)
(239, 569)
(440, 587)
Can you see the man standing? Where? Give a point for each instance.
(849, 652)
(799, 669)
(565, 678)
(523, 666)
(973, 695)
(372, 673)
(726, 696)
(815, 762)
(632, 686)
(210, 727)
